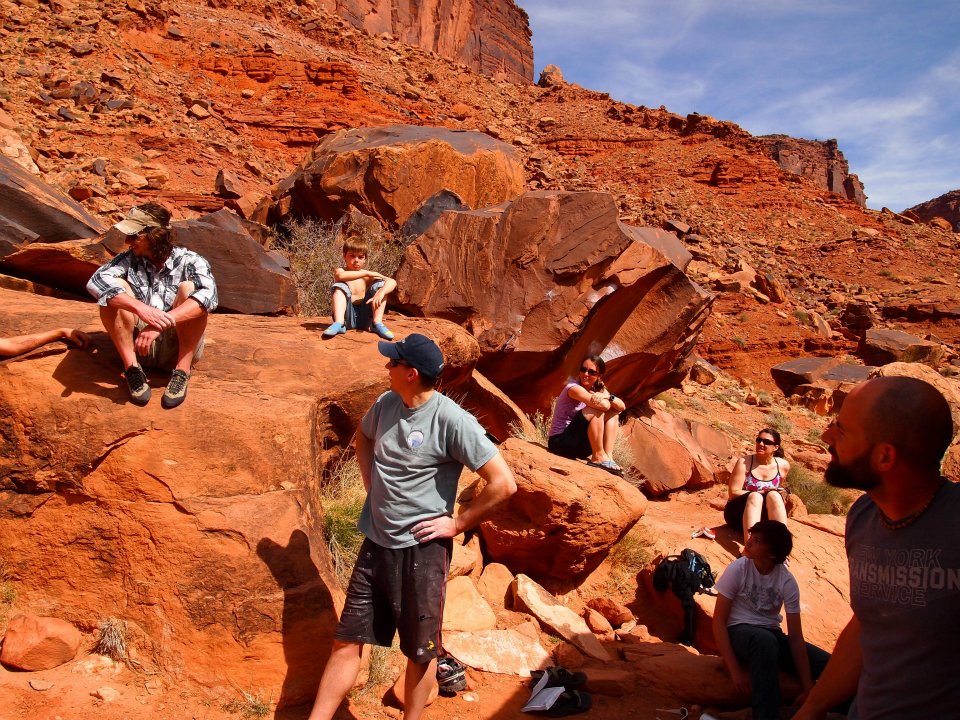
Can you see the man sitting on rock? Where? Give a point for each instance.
(411, 447)
(154, 299)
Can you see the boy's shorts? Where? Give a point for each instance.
(359, 315)
(398, 590)
(573, 441)
(165, 351)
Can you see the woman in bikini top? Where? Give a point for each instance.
(757, 493)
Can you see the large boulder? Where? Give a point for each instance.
(201, 526)
(563, 519)
(389, 172)
(32, 211)
(545, 279)
(249, 279)
(881, 346)
(39, 643)
(665, 454)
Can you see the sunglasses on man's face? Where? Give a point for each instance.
(589, 371)
(765, 441)
(396, 363)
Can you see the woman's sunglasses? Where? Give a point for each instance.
(589, 371)
(765, 441)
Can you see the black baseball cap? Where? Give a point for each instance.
(417, 351)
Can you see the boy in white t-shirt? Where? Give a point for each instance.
(746, 621)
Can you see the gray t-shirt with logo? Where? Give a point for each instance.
(905, 591)
(418, 455)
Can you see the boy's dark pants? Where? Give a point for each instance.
(766, 651)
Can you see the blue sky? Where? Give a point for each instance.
(882, 77)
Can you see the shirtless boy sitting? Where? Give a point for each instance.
(358, 296)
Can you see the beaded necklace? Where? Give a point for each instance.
(912, 517)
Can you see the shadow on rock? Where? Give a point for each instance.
(308, 620)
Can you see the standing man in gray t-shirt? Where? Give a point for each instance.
(412, 446)
(898, 653)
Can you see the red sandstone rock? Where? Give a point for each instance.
(880, 346)
(198, 525)
(562, 520)
(488, 36)
(569, 279)
(820, 161)
(249, 279)
(32, 211)
(39, 643)
(500, 651)
(464, 610)
(555, 617)
(494, 584)
(945, 207)
(615, 613)
(389, 172)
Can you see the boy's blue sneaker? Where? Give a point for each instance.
(383, 331)
(335, 329)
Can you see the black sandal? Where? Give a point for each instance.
(560, 677)
(570, 702)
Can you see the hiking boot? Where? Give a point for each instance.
(176, 391)
(137, 385)
(451, 675)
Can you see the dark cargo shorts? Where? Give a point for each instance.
(399, 590)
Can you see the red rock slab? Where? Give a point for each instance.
(39, 643)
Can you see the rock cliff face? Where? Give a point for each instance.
(820, 161)
(947, 206)
(489, 36)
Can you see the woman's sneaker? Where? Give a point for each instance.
(451, 675)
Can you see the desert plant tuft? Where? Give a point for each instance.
(251, 705)
(541, 427)
(820, 498)
(342, 497)
(779, 422)
(113, 639)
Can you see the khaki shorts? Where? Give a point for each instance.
(165, 351)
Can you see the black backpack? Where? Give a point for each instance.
(686, 574)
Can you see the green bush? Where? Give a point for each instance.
(820, 498)
(341, 497)
(779, 422)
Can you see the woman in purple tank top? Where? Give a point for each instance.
(586, 418)
(756, 488)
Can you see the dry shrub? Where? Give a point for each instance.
(315, 252)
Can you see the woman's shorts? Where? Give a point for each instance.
(733, 511)
(572, 442)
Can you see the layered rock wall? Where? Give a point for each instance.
(822, 162)
(947, 206)
(489, 36)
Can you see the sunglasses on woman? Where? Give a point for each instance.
(765, 441)
(589, 371)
